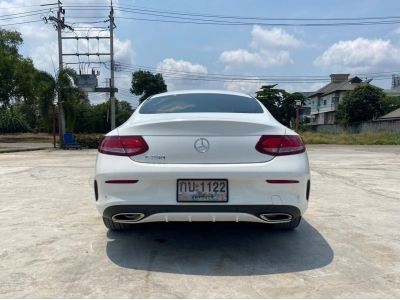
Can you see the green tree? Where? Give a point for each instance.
(96, 118)
(7, 86)
(364, 103)
(124, 111)
(281, 104)
(10, 41)
(146, 84)
(35, 96)
(26, 93)
(45, 89)
(101, 117)
(9, 62)
(390, 103)
(72, 98)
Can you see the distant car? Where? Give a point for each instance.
(207, 156)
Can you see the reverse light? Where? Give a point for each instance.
(279, 145)
(123, 145)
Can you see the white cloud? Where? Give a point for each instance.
(45, 57)
(174, 72)
(170, 64)
(360, 55)
(263, 58)
(264, 38)
(270, 48)
(301, 87)
(123, 51)
(246, 87)
(240, 56)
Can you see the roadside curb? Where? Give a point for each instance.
(23, 150)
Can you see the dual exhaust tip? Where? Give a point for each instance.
(276, 218)
(127, 218)
(271, 218)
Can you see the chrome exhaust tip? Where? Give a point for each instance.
(274, 218)
(127, 217)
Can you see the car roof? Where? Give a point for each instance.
(183, 92)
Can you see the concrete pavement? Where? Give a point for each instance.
(53, 242)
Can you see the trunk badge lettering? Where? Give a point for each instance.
(161, 157)
(202, 145)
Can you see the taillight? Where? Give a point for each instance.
(123, 145)
(278, 145)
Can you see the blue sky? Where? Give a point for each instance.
(204, 43)
(243, 50)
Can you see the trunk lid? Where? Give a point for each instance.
(195, 139)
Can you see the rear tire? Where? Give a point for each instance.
(115, 226)
(289, 225)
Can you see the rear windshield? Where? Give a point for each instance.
(200, 103)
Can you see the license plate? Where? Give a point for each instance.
(202, 190)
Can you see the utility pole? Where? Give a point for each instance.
(298, 106)
(61, 117)
(112, 92)
(54, 124)
(59, 24)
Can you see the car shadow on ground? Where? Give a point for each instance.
(219, 249)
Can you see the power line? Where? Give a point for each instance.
(196, 18)
(18, 7)
(18, 23)
(167, 16)
(148, 9)
(222, 79)
(179, 17)
(210, 74)
(87, 17)
(11, 18)
(204, 18)
(205, 22)
(83, 28)
(23, 14)
(91, 22)
(215, 77)
(275, 76)
(179, 74)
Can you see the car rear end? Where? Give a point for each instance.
(172, 163)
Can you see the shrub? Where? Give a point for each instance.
(89, 141)
(12, 122)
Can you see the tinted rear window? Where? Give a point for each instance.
(200, 103)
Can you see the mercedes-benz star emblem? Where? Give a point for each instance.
(202, 145)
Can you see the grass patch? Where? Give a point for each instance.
(92, 140)
(351, 139)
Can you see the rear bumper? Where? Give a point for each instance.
(154, 193)
(206, 213)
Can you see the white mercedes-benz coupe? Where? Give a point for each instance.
(207, 156)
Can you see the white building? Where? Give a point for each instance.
(324, 102)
